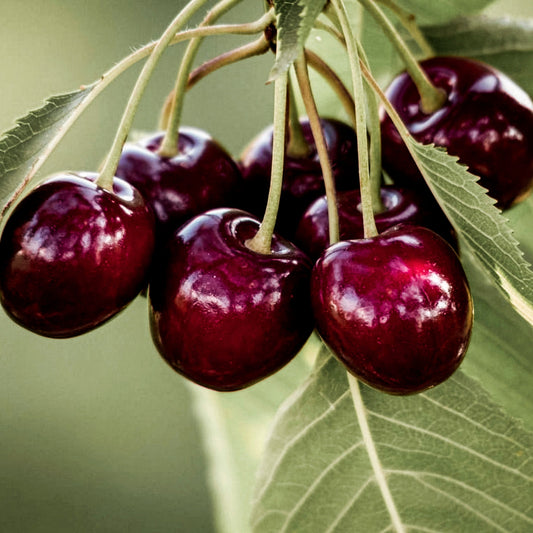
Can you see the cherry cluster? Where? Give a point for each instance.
(395, 309)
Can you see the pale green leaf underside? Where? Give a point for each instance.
(452, 459)
(484, 230)
(499, 355)
(21, 146)
(295, 19)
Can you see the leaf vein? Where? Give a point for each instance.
(452, 443)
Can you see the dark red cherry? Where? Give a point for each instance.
(487, 121)
(395, 309)
(200, 177)
(302, 178)
(401, 206)
(73, 254)
(225, 316)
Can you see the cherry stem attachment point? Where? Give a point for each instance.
(105, 178)
(304, 83)
(432, 98)
(169, 143)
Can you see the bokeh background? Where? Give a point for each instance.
(97, 434)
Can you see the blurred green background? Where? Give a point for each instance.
(97, 433)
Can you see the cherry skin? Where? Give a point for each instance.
(302, 178)
(402, 206)
(395, 309)
(73, 254)
(201, 176)
(487, 122)
(223, 315)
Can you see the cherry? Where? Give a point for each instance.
(402, 206)
(395, 309)
(487, 121)
(302, 178)
(73, 254)
(221, 314)
(200, 177)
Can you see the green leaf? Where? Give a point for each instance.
(504, 43)
(450, 458)
(295, 19)
(499, 355)
(21, 146)
(234, 428)
(484, 230)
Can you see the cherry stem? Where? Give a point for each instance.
(105, 178)
(262, 241)
(374, 133)
(344, 96)
(373, 125)
(105, 80)
(255, 48)
(169, 144)
(408, 21)
(432, 98)
(369, 224)
(297, 146)
(389, 108)
(304, 83)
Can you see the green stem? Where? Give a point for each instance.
(262, 241)
(169, 144)
(255, 48)
(432, 98)
(369, 223)
(360, 22)
(297, 145)
(408, 21)
(105, 179)
(389, 108)
(105, 80)
(374, 133)
(344, 96)
(314, 121)
(258, 47)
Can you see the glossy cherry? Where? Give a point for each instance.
(302, 178)
(73, 254)
(201, 176)
(395, 309)
(401, 206)
(487, 121)
(223, 315)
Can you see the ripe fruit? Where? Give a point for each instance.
(225, 316)
(72, 254)
(402, 206)
(302, 177)
(395, 309)
(487, 121)
(200, 177)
